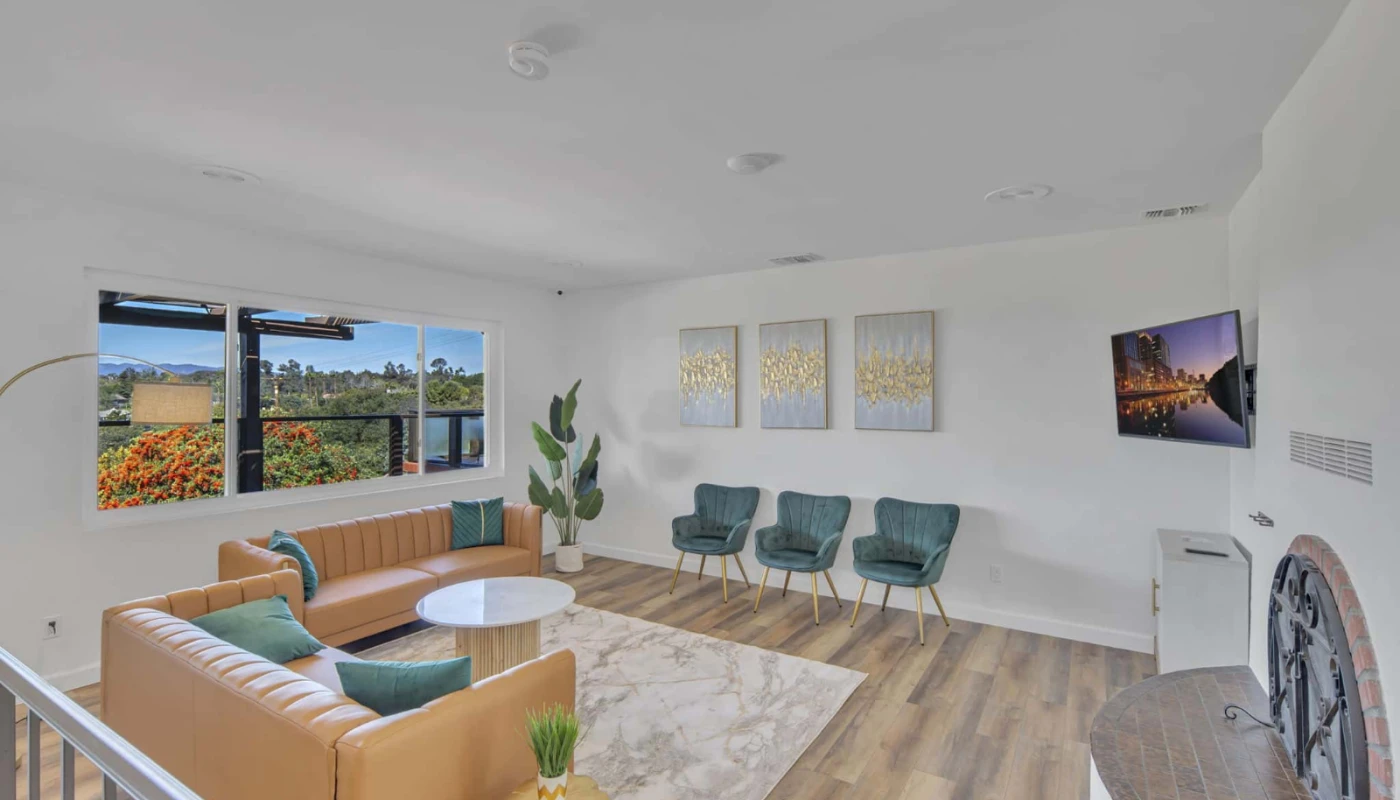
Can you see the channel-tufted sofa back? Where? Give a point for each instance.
(357, 545)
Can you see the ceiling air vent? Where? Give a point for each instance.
(1342, 457)
(1176, 211)
(800, 258)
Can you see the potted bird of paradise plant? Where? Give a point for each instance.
(572, 497)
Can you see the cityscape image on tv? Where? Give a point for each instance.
(1182, 381)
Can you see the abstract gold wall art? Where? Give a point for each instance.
(709, 377)
(792, 374)
(894, 371)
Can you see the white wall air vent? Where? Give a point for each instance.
(1342, 457)
(800, 258)
(1177, 211)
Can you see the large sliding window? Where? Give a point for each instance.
(313, 399)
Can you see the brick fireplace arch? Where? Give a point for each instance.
(1363, 656)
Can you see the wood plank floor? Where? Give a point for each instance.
(89, 780)
(979, 713)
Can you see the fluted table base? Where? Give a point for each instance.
(495, 650)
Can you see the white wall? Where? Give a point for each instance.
(1026, 439)
(49, 563)
(1256, 541)
(1323, 225)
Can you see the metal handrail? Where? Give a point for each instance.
(121, 764)
(467, 413)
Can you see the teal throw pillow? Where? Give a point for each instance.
(477, 522)
(264, 628)
(289, 546)
(389, 687)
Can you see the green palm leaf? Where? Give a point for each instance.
(550, 449)
(588, 506)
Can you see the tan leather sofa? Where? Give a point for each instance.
(374, 570)
(233, 726)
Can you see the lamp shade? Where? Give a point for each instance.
(172, 403)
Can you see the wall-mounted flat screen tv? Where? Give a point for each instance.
(1183, 381)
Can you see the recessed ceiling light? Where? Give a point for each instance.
(227, 174)
(751, 163)
(1018, 194)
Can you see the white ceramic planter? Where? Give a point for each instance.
(568, 558)
(552, 788)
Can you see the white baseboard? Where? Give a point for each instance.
(71, 679)
(847, 583)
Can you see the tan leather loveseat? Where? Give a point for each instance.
(233, 726)
(374, 570)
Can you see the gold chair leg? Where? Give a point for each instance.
(919, 604)
(742, 571)
(724, 576)
(761, 583)
(701, 573)
(827, 573)
(675, 577)
(859, 597)
(816, 612)
(941, 612)
(884, 602)
(785, 583)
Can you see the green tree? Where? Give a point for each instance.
(445, 394)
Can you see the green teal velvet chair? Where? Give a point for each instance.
(805, 539)
(719, 527)
(909, 548)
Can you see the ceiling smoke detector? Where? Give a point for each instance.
(1176, 211)
(1019, 194)
(529, 60)
(214, 172)
(752, 163)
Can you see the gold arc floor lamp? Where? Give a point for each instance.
(151, 403)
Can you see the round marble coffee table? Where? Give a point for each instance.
(497, 619)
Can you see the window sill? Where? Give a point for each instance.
(98, 520)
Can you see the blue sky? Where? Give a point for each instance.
(373, 345)
(1200, 346)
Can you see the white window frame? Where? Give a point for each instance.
(493, 401)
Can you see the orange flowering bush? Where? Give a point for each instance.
(161, 467)
(293, 455)
(188, 462)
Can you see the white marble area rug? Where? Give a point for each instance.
(675, 715)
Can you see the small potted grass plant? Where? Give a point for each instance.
(553, 733)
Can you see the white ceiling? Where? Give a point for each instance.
(396, 128)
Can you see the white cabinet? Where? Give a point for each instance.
(1201, 600)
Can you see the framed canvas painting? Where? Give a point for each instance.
(792, 374)
(894, 371)
(709, 377)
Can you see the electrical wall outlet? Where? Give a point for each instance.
(994, 574)
(51, 627)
